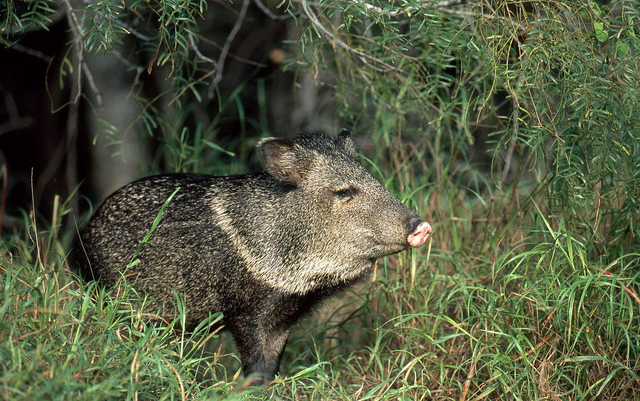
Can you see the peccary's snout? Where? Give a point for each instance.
(420, 233)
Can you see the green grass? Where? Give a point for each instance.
(63, 339)
(496, 307)
(529, 287)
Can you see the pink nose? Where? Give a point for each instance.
(420, 235)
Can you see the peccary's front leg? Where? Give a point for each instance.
(260, 350)
(273, 353)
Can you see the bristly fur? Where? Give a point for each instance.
(262, 248)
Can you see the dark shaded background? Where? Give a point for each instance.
(44, 135)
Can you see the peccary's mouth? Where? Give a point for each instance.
(375, 247)
(381, 250)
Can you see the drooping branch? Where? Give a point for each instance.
(227, 45)
(268, 12)
(367, 59)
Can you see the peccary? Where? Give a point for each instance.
(262, 248)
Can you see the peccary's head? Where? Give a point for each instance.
(341, 217)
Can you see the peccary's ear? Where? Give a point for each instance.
(281, 160)
(346, 142)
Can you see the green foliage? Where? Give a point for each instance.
(17, 18)
(492, 309)
(166, 28)
(63, 339)
(539, 321)
(579, 102)
(554, 81)
(512, 126)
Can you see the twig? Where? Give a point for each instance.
(512, 143)
(133, 31)
(410, 10)
(270, 14)
(129, 64)
(29, 51)
(373, 89)
(386, 47)
(92, 83)
(231, 55)
(392, 14)
(448, 3)
(76, 29)
(190, 85)
(126, 62)
(363, 56)
(14, 121)
(198, 53)
(441, 5)
(227, 45)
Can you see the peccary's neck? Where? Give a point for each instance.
(279, 237)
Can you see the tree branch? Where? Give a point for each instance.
(365, 58)
(270, 14)
(227, 45)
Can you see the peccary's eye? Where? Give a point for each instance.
(346, 194)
